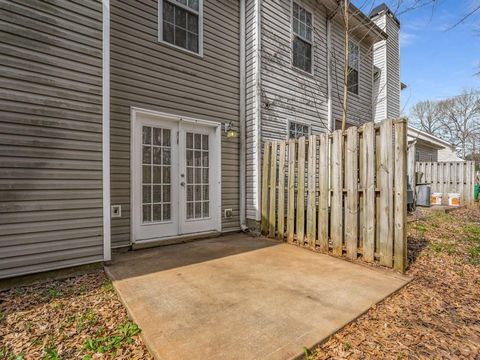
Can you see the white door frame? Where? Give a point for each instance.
(216, 157)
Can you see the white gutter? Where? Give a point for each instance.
(242, 118)
(258, 119)
(329, 74)
(107, 256)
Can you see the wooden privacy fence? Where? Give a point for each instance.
(340, 193)
(450, 177)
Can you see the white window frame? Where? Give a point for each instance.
(293, 35)
(289, 122)
(200, 26)
(358, 65)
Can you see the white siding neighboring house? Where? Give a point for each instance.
(431, 148)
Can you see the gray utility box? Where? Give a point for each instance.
(423, 195)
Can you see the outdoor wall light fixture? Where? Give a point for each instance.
(231, 134)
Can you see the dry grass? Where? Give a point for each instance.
(76, 318)
(436, 316)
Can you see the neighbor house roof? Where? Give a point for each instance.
(433, 141)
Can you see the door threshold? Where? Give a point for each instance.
(172, 240)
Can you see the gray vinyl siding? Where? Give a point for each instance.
(287, 94)
(252, 108)
(426, 153)
(50, 135)
(359, 108)
(150, 75)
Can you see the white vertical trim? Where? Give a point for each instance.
(258, 115)
(106, 130)
(329, 73)
(243, 198)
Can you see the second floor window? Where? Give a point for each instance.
(297, 130)
(180, 23)
(353, 67)
(302, 38)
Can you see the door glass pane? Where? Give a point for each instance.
(146, 135)
(156, 173)
(206, 209)
(198, 190)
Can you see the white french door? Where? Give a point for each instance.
(175, 177)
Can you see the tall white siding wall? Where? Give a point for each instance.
(386, 98)
(379, 101)
(393, 68)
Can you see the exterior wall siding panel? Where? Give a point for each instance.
(50, 135)
(146, 73)
(286, 94)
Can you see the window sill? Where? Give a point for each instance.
(302, 72)
(186, 51)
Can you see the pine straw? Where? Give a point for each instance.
(76, 318)
(437, 315)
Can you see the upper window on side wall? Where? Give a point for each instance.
(302, 38)
(353, 67)
(297, 130)
(180, 23)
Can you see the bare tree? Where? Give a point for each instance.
(461, 120)
(425, 115)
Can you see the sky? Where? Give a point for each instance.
(436, 62)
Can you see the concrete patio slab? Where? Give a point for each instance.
(238, 297)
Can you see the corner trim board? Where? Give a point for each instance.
(107, 253)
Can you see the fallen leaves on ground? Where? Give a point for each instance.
(75, 318)
(437, 315)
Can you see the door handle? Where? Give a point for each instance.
(182, 183)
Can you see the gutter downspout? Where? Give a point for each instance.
(243, 222)
(329, 73)
(258, 91)
(107, 255)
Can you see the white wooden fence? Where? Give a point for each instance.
(340, 193)
(450, 177)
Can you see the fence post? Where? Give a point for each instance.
(301, 192)
(273, 190)
(336, 224)
(351, 179)
(265, 167)
(400, 246)
(312, 191)
(385, 173)
(291, 190)
(369, 194)
(323, 176)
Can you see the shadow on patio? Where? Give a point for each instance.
(239, 297)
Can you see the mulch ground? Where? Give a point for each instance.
(76, 318)
(437, 315)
